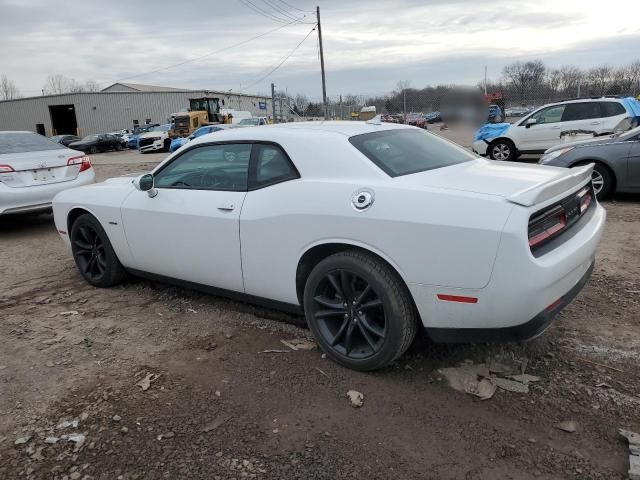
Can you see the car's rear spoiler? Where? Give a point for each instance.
(574, 177)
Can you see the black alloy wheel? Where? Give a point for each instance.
(359, 310)
(93, 253)
(349, 314)
(89, 251)
(93, 149)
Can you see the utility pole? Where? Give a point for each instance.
(273, 101)
(404, 102)
(485, 80)
(324, 86)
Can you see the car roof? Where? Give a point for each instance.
(16, 131)
(582, 100)
(339, 129)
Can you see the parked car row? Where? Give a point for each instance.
(613, 145)
(414, 119)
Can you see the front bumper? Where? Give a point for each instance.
(480, 147)
(38, 198)
(156, 145)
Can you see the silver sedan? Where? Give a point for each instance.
(616, 158)
(33, 169)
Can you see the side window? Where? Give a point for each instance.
(581, 111)
(210, 167)
(611, 109)
(272, 165)
(549, 114)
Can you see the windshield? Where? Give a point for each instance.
(90, 138)
(19, 142)
(56, 138)
(161, 128)
(249, 121)
(405, 151)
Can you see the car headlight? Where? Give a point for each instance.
(549, 157)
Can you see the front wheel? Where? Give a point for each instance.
(93, 149)
(359, 311)
(502, 150)
(93, 253)
(602, 181)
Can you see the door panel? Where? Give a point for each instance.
(191, 229)
(190, 235)
(545, 133)
(633, 180)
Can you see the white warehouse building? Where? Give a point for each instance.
(121, 105)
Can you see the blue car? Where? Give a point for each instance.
(176, 143)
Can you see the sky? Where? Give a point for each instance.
(369, 45)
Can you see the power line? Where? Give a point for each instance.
(281, 62)
(291, 6)
(202, 56)
(280, 9)
(264, 13)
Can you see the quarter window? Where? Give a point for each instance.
(210, 167)
(549, 115)
(272, 166)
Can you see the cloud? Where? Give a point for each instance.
(369, 45)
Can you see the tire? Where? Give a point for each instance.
(93, 253)
(503, 150)
(379, 321)
(167, 145)
(603, 181)
(93, 150)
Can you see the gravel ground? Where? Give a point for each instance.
(218, 408)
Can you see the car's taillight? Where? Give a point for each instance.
(6, 169)
(546, 225)
(83, 161)
(586, 197)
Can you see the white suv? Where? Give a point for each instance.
(541, 129)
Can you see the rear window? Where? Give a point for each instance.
(405, 151)
(581, 111)
(611, 109)
(19, 142)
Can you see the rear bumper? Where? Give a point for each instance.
(38, 198)
(517, 333)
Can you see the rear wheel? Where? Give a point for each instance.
(93, 253)
(167, 145)
(502, 150)
(93, 149)
(359, 311)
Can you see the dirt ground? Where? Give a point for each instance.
(71, 356)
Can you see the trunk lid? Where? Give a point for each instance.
(39, 167)
(519, 183)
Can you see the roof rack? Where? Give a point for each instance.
(595, 97)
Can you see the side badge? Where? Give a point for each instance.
(362, 199)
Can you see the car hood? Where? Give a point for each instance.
(518, 183)
(150, 134)
(582, 143)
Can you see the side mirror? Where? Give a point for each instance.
(530, 122)
(145, 183)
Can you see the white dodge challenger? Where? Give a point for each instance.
(372, 230)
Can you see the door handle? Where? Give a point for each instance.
(227, 208)
(555, 128)
(595, 123)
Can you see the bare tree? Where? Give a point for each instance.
(554, 80)
(8, 89)
(634, 74)
(57, 84)
(570, 78)
(599, 79)
(525, 77)
(91, 86)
